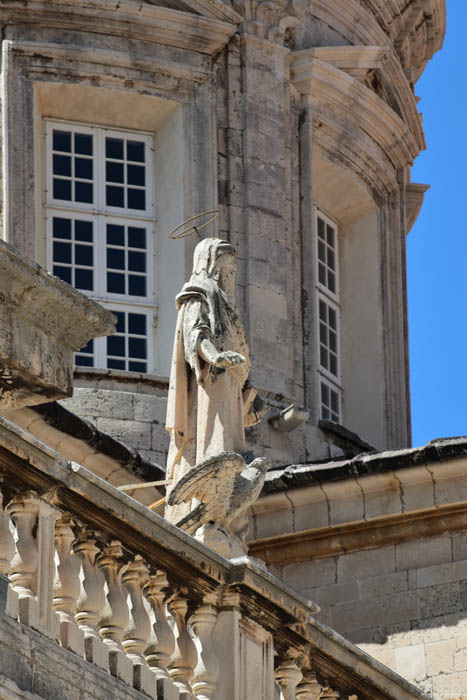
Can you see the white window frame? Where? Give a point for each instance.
(101, 214)
(332, 300)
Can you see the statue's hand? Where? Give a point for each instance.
(228, 359)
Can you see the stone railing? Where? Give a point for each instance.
(103, 577)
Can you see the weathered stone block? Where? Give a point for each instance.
(448, 686)
(382, 585)
(410, 662)
(159, 437)
(148, 408)
(439, 600)
(423, 553)
(442, 573)
(360, 565)
(383, 611)
(134, 433)
(416, 488)
(382, 495)
(333, 594)
(345, 501)
(101, 403)
(440, 657)
(310, 574)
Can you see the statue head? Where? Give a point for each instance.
(214, 258)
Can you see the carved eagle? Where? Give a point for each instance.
(226, 487)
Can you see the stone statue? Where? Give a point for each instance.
(210, 400)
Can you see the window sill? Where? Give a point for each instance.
(123, 376)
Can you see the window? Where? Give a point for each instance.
(99, 213)
(328, 314)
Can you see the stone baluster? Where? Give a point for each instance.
(136, 635)
(287, 677)
(184, 658)
(204, 682)
(162, 641)
(24, 510)
(115, 616)
(67, 586)
(7, 552)
(91, 600)
(328, 693)
(309, 688)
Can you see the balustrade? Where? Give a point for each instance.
(154, 617)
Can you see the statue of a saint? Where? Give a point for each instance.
(209, 400)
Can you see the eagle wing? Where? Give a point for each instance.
(210, 481)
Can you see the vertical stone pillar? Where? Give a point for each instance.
(264, 77)
(48, 620)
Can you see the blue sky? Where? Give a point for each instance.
(437, 245)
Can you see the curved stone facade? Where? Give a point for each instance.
(276, 113)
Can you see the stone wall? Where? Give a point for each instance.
(132, 408)
(405, 604)
(33, 667)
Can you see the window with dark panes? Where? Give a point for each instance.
(328, 317)
(100, 233)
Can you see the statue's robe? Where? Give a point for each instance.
(205, 411)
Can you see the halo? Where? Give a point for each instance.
(175, 234)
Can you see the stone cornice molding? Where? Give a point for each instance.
(77, 58)
(127, 19)
(42, 321)
(269, 19)
(414, 196)
(361, 62)
(416, 29)
(214, 9)
(352, 125)
(362, 511)
(354, 22)
(282, 550)
(61, 311)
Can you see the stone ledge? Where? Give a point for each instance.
(43, 320)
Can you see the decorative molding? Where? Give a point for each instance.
(352, 126)
(127, 19)
(270, 19)
(43, 61)
(377, 68)
(42, 321)
(417, 32)
(414, 196)
(357, 536)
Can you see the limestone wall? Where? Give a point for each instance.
(405, 604)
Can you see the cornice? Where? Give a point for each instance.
(354, 126)
(414, 196)
(349, 18)
(357, 536)
(214, 9)
(127, 19)
(365, 63)
(415, 28)
(82, 59)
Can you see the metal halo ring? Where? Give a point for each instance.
(173, 235)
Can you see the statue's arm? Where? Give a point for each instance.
(197, 334)
(210, 354)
